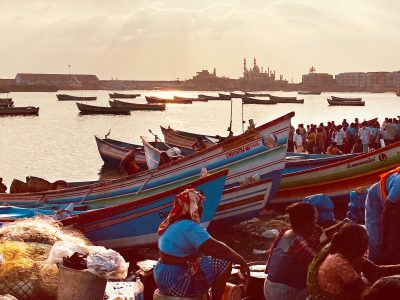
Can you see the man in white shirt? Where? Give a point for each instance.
(364, 134)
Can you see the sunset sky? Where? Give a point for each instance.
(165, 40)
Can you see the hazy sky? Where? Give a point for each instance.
(137, 39)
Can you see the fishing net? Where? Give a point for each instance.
(41, 229)
(25, 245)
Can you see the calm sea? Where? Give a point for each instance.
(59, 143)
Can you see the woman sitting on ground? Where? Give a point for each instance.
(335, 273)
(191, 261)
(291, 253)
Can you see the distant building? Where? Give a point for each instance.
(62, 81)
(257, 78)
(369, 81)
(317, 81)
(205, 75)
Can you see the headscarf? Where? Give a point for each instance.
(185, 202)
(382, 183)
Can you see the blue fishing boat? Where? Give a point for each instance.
(121, 226)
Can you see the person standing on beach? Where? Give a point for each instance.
(298, 142)
(364, 134)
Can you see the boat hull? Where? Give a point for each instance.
(338, 179)
(102, 110)
(136, 106)
(19, 111)
(65, 97)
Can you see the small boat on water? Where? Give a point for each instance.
(338, 179)
(345, 99)
(249, 100)
(86, 109)
(136, 106)
(121, 226)
(286, 99)
(186, 139)
(152, 99)
(19, 111)
(65, 97)
(177, 98)
(236, 95)
(123, 96)
(202, 96)
(345, 102)
(224, 96)
(248, 94)
(309, 92)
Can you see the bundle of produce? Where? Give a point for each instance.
(25, 246)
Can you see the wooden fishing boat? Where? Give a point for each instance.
(201, 96)
(236, 95)
(123, 96)
(19, 111)
(185, 139)
(152, 99)
(136, 106)
(248, 94)
(345, 103)
(338, 179)
(95, 110)
(252, 192)
(309, 92)
(113, 151)
(65, 97)
(345, 99)
(121, 226)
(177, 98)
(224, 96)
(286, 99)
(249, 100)
(257, 153)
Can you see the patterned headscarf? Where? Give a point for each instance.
(185, 202)
(383, 180)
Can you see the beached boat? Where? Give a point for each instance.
(65, 97)
(177, 98)
(201, 96)
(338, 179)
(248, 94)
(345, 99)
(251, 191)
(286, 99)
(19, 111)
(152, 99)
(249, 100)
(224, 96)
(121, 226)
(185, 139)
(95, 110)
(345, 103)
(257, 153)
(113, 151)
(136, 106)
(123, 96)
(236, 95)
(309, 92)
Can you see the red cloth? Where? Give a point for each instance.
(185, 202)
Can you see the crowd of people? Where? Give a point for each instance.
(316, 257)
(356, 137)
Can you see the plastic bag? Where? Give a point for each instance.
(106, 263)
(62, 249)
